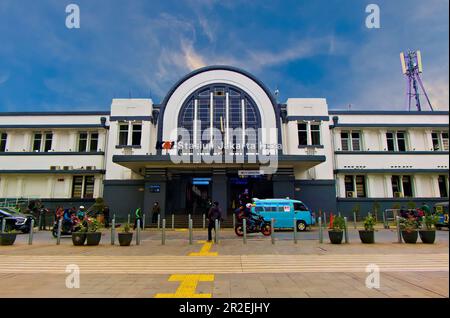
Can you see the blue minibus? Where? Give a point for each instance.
(284, 211)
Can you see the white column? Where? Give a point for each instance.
(308, 133)
(101, 141)
(3, 184)
(27, 141)
(97, 186)
(195, 122)
(388, 186)
(368, 186)
(9, 144)
(130, 133)
(19, 189)
(50, 186)
(73, 141)
(243, 121)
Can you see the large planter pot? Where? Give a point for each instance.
(410, 237)
(78, 238)
(336, 236)
(367, 237)
(125, 239)
(93, 239)
(7, 238)
(427, 236)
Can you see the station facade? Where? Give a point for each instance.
(217, 132)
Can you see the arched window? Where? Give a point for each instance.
(220, 106)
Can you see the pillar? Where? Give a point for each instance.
(219, 189)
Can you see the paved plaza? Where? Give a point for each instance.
(230, 268)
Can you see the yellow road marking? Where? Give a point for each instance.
(181, 230)
(188, 286)
(205, 250)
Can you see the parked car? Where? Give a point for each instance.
(283, 211)
(15, 220)
(441, 209)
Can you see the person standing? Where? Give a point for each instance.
(215, 213)
(138, 214)
(156, 210)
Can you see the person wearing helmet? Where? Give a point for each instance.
(251, 217)
(81, 213)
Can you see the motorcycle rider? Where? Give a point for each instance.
(81, 213)
(249, 215)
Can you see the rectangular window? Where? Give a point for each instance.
(396, 187)
(89, 182)
(356, 141)
(3, 137)
(407, 186)
(82, 141)
(349, 186)
(315, 134)
(443, 191)
(396, 141)
(136, 136)
(360, 186)
(77, 187)
(94, 142)
(123, 134)
(37, 141)
(440, 140)
(345, 141)
(302, 134)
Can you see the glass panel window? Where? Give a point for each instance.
(360, 186)
(407, 186)
(435, 139)
(443, 191)
(48, 141)
(302, 134)
(396, 188)
(349, 186)
(94, 142)
(445, 141)
(356, 141)
(390, 141)
(37, 141)
(315, 134)
(136, 136)
(89, 182)
(401, 141)
(123, 134)
(345, 141)
(82, 141)
(3, 137)
(440, 140)
(77, 187)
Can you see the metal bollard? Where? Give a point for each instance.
(295, 231)
(3, 225)
(320, 230)
(129, 218)
(325, 218)
(113, 230)
(216, 229)
(345, 229)
(159, 221)
(190, 231)
(244, 230)
(234, 220)
(354, 220)
(143, 222)
(399, 235)
(30, 235)
(173, 221)
(58, 236)
(163, 232)
(204, 221)
(384, 220)
(272, 233)
(138, 232)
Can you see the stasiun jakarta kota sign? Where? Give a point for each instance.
(213, 146)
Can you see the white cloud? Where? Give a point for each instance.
(4, 78)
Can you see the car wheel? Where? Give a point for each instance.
(301, 226)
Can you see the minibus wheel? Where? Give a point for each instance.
(301, 226)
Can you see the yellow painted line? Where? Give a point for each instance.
(205, 250)
(188, 286)
(181, 230)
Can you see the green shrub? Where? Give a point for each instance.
(369, 223)
(430, 221)
(126, 228)
(338, 223)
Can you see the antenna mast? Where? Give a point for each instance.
(412, 68)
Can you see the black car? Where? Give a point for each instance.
(15, 220)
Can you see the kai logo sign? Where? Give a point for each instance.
(73, 17)
(373, 19)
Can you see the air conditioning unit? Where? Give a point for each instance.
(351, 194)
(67, 167)
(55, 167)
(90, 167)
(398, 195)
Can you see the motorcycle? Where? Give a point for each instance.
(256, 225)
(67, 226)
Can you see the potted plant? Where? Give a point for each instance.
(93, 235)
(367, 235)
(428, 234)
(79, 235)
(336, 232)
(126, 236)
(409, 228)
(8, 237)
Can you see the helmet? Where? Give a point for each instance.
(248, 205)
(81, 207)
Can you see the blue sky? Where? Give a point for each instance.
(317, 48)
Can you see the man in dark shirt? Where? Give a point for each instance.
(215, 213)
